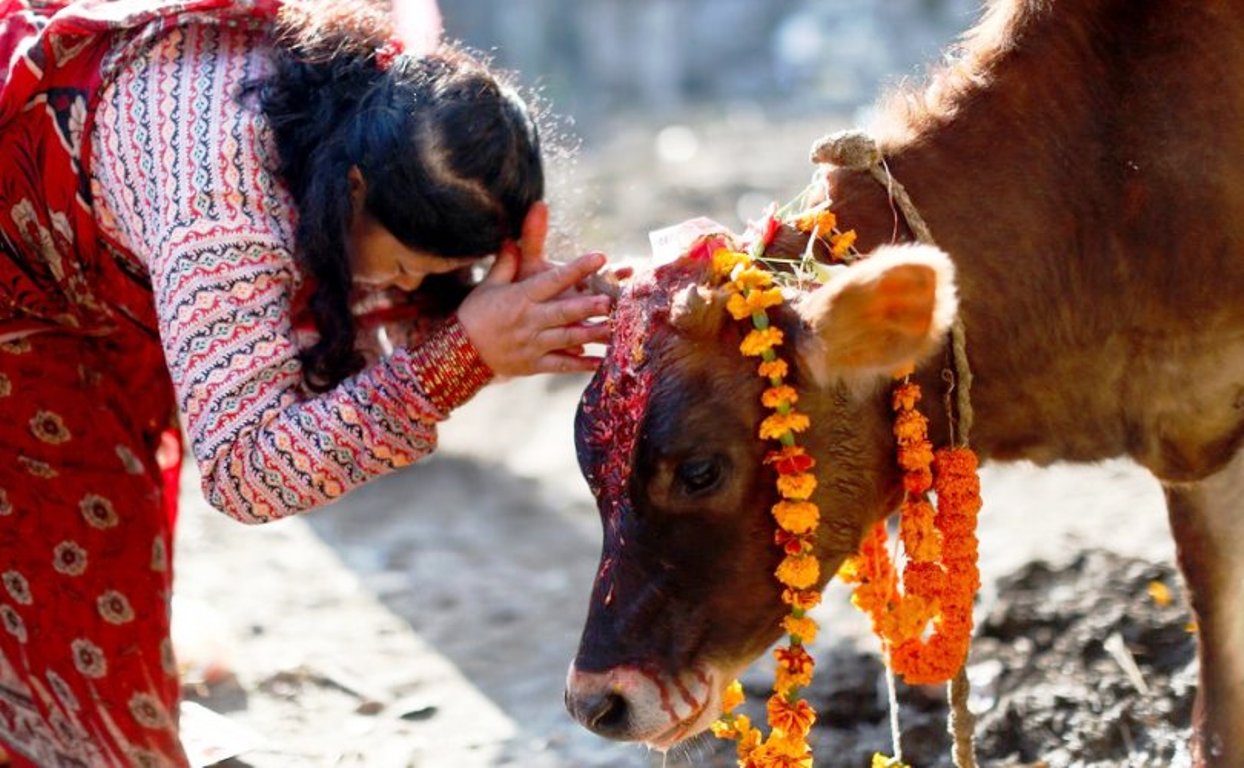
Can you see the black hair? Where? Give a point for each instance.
(447, 148)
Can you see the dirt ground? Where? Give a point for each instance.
(428, 618)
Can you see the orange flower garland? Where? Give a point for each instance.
(790, 717)
(941, 576)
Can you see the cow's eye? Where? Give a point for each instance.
(700, 475)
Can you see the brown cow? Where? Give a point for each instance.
(1082, 163)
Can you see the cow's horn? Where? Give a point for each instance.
(605, 283)
(692, 310)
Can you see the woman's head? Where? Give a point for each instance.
(432, 154)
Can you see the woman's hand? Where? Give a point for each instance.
(535, 325)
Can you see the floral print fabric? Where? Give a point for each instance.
(87, 676)
(140, 235)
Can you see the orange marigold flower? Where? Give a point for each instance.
(742, 306)
(786, 680)
(931, 663)
(962, 581)
(751, 278)
(723, 729)
(907, 619)
(958, 488)
(872, 599)
(797, 517)
(959, 463)
(791, 718)
(841, 243)
(802, 628)
(773, 369)
(823, 221)
(724, 261)
(777, 424)
(920, 538)
(906, 396)
(958, 541)
(757, 341)
(797, 487)
(803, 599)
(794, 658)
(798, 571)
(917, 481)
(795, 667)
(731, 697)
(737, 306)
(925, 579)
(773, 397)
(779, 753)
(748, 738)
(851, 570)
(911, 427)
(915, 457)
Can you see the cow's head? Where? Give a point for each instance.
(685, 596)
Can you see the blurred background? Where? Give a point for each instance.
(668, 91)
(429, 617)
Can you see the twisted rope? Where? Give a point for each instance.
(857, 151)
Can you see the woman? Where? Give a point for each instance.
(195, 196)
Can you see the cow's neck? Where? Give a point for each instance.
(1094, 235)
(1002, 191)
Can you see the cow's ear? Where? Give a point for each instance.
(890, 309)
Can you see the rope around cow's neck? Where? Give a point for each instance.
(857, 151)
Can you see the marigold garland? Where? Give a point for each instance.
(926, 626)
(790, 717)
(940, 578)
(751, 294)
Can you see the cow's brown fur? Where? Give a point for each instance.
(1082, 163)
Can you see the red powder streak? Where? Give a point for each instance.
(687, 698)
(667, 706)
(618, 398)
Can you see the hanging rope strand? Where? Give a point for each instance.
(857, 151)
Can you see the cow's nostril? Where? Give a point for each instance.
(608, 714)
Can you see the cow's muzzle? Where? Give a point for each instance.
(628, 703)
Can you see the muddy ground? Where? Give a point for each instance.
(427, 619)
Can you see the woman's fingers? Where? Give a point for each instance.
(504, 268)
(550, 283)
(523, 324)
(530, 245)
(535, 232)
(511, 248)
(566, 337)
(574, 309)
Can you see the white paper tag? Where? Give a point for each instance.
(672, 242)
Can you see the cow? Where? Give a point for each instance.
(1080, 164)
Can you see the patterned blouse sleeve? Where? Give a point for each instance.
(179, 173)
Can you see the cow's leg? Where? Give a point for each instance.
(1207, 520)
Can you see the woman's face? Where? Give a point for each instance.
(380, 261)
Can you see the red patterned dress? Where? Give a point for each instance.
(146, 270)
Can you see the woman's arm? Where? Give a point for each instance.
(182, 174)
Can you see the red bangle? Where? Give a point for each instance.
(448, 367)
